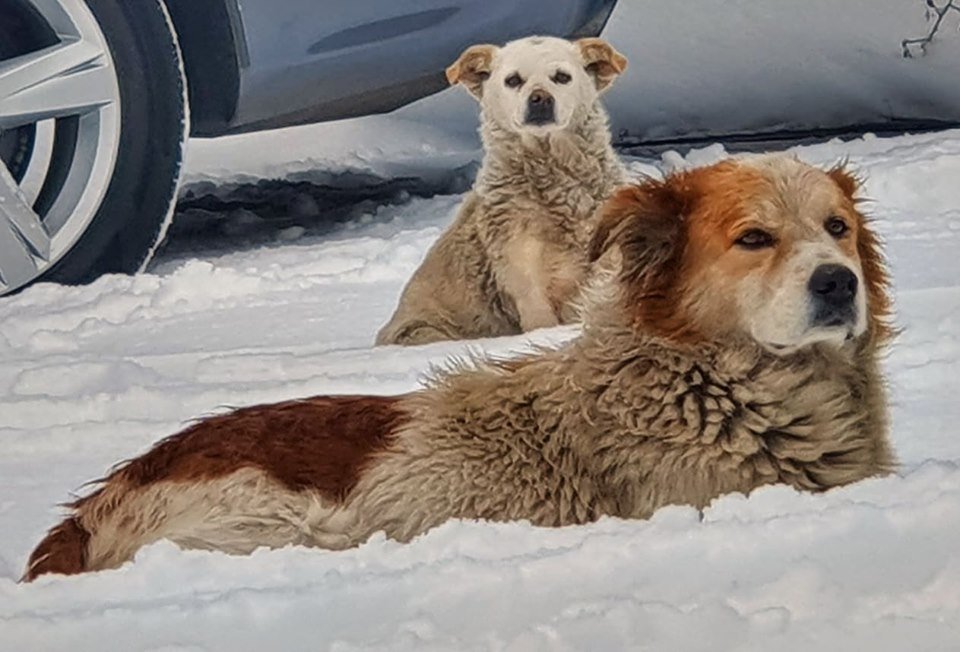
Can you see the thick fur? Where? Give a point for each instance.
(657, 402)
(515, 256)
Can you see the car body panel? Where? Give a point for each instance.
(263, 63)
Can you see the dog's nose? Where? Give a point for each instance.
(541, 97)
(834, 285)
(540, 108)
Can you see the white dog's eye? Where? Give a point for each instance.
(836, 227)
(513, 81)
(561, 77)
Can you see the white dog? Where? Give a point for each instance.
(515, 256)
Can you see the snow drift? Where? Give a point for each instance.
(94, 374)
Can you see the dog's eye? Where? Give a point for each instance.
(836, 227)
(561, 77)
(513, 81)
(755, 239)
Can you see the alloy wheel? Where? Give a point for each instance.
(59, 135)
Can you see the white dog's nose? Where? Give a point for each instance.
(540, 108)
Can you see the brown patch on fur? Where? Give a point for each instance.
(472, 68)
(602, 60)
(872, 260)
(645, 222)
(656, 224)
(63, 551)
(322, 444)
(319, 443)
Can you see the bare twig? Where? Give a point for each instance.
(923, 42)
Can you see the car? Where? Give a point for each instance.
(98, 98)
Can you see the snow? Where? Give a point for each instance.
(254, 309)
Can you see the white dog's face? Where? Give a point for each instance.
(538, 84)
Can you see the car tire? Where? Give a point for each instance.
(119, 233)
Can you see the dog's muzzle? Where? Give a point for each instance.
(540, 108)
(833, 291)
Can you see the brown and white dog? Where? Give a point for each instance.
(730, 341)
(515, 257)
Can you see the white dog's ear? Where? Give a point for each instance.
(472, 68)
(601, 60)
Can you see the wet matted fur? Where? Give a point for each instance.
(515, 256)
(698, 372)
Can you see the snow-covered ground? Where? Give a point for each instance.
(241, 310)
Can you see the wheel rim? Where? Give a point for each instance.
(65, 97)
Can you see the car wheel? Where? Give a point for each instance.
(93, 121)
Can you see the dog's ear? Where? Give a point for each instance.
(601, 60)
(645, 222)
(472, 68)
(845, 179)
(872, 261)
(877, 280)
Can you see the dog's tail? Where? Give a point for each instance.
(89, 538)
(103, 530)
(64, 550)
(100, 532)
(228, 482)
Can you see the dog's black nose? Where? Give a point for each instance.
(541, 97)
(540, 108)
(833, 288)
(834, 285)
